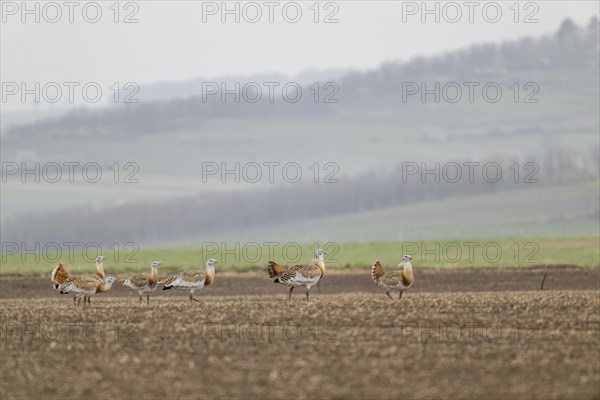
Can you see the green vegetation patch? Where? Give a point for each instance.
(518, 252)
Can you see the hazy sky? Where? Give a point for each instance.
(171, 42)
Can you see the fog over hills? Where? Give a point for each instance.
(546, 120)
(564, 55)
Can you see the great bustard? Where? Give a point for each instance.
(192, 280)
(85, 287)
(60, 274)
(299, 275)
(144, 283)
(395, 280)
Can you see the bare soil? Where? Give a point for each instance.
(477, 333)
(352, 281)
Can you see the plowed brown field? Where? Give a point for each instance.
(459, 334)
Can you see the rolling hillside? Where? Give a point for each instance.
(366, 135)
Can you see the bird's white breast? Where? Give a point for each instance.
(182, 283)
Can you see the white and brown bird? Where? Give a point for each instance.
(144, 283)
(60, 274)
(394, 280)
(85, 287)
(299, 275)
(192, 280)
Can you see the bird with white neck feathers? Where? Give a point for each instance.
(299, 275)
(144, 283)
(192, 280)
(394, 280)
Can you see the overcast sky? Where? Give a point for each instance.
(171, 42)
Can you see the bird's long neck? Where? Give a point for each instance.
(407, 271)
(104, 287)
(320, 262)
(210, 274)
(153, 276)
(100, 270)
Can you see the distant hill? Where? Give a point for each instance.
(167, 91)
(380, 203)
(551, 211)
(570, 52)
(367, 134)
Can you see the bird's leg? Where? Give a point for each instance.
(148, 299)
(192, 298)
(388, 294)
(400, 295)
(75, 301)
(307, 295)
(140, 299)
(89, 299)
(78, 300)
(291, 290)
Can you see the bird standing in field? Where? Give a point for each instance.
(144, 283)
(394, 280)
(299, 275)
(60, 274)
(85, 287)
(192, 280)
(81, 286)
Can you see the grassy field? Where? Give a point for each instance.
(519, 252)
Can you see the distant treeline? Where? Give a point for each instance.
(222, 212)
(570, 47)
